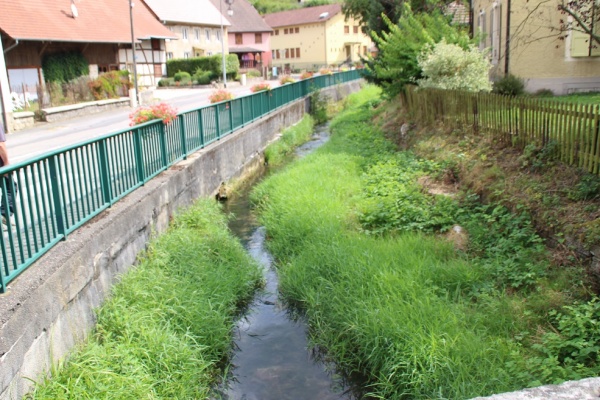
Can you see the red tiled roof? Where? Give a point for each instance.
(99, 21)
(302, 16)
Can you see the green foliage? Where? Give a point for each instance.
(182, 76)
(64, 67)
(211, 63)
(396, 65)
(449, 66)
(107, 85)
(318, 107)
(393, 201)
(271, 6)
(536, 158)
(570, 351)
(588, 188)
(291, 138)
(166, 327)
(202, 77)
(166, 82)
(509, 85)
(253, 73)
(369, 12)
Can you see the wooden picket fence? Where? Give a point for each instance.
(518, 121)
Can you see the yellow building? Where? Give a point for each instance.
(523, 39)
(315, 37)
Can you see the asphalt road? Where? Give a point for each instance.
(49, 136)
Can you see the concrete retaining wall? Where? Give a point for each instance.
(49, 308)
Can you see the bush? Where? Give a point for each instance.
(202, 77)
(211, 63)
(220, 95)
(253, 73)
(64, 67)
(148, 113)
(260, 87)
(164, 82)
(286, 79)
(509, 85)
(108, 85)
(544, 93)
(182, 76)
(449, 66)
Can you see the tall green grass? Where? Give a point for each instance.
(166, 328)
(395, 309)
(291, 138)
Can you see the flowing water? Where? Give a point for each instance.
(272, 359)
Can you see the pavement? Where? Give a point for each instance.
(46, 137)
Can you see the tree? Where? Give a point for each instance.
(396, 64)
(372, 13)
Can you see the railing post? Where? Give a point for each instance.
(184, 147)
(139, 155)
(201, 127)
(57, 198)
(104, 173)
(163, 145)
(230, 105)
(218, 121)
(242, 112)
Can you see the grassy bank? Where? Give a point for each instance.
(362, 249)
(166, 328)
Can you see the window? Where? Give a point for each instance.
(184, 33)
(482, 30)
(239, 38)
(207, 34)
(218, 35)
(186, 54)
(285, 31)
(287, 53)
(258, 38)
(155, 43)
(296, 30)
(346, 29)
(582, 44)
(355, 27)
(292, 53)
(495, 29)
(170, 55)
(276, 32)
(365, 50)
(297, 52)
(197, 34)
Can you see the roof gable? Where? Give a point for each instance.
(302, 16)
(245, 18)
(99, 21)
(194, 12)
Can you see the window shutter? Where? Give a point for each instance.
(580, 44)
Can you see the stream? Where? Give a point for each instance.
(272, 358)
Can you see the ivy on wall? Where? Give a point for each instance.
(63, 67)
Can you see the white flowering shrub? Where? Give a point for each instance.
(449, 66)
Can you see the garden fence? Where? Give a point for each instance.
(518, 121)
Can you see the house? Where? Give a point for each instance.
(101, 30)
(315, 37)
(523, 40)
(198, 25)
(249, 36)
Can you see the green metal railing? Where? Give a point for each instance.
(60, 191)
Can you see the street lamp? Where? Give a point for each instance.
(230, 13)
(135, 79)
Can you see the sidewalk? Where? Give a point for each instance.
(48, 136)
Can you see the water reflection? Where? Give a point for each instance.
(272, 358)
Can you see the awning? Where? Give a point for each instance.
(245, 50)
